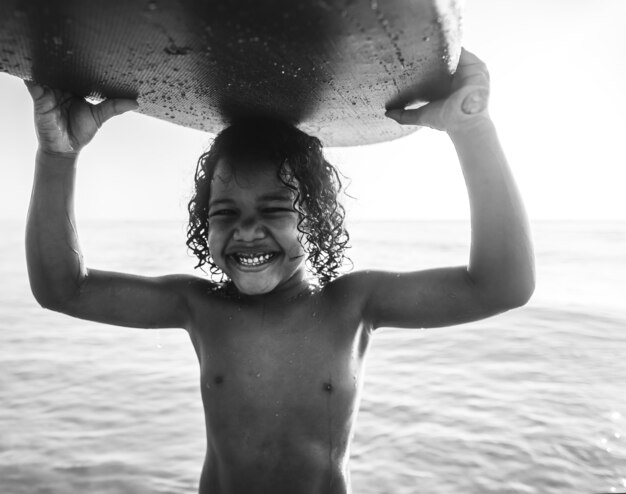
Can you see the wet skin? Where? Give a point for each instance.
(280, 362)
(280, 384)
(281, 366)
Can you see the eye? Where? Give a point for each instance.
(222, 212)
(277, 210)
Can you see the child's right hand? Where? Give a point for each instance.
(66, 123)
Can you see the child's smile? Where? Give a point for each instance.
(253, 234)
(254, 260)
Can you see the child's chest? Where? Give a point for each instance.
(270, 360)
(282, 345)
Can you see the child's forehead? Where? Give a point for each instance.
(247, 173)
(233, 165)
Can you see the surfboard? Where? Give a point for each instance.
(330, 66)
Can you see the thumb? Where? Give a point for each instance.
(112, 107)
(424, 115)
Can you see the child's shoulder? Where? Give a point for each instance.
(354, 284)
(195, 287)
(202, 287)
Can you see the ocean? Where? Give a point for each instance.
(530, 401)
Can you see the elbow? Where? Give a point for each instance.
(521, 296)
(50, 299)
(47, 300)
(524, 288)
(506, 293)
(56, 293)
(514, 296)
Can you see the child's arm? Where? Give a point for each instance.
(58, 276)
(500, 274)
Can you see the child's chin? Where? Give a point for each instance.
(252, 288)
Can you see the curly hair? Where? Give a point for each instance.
(301, 167)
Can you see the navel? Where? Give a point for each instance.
(327, 387)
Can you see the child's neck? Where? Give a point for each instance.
(297, 286)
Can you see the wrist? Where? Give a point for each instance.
(47, 157)
(471, 126)
(57, 155)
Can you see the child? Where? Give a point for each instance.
(281, 358)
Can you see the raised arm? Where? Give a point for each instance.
(58, 276)
(500, 273)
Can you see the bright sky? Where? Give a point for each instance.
(558, 75)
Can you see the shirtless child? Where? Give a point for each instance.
(281, 357)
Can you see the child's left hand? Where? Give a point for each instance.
(466, 104)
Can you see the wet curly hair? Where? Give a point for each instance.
(302, 168)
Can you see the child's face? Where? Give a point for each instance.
(253, 235)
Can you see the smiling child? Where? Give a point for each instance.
(281, 356)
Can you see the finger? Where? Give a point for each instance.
(467, 57)
(35, 90)
(475, 101)
(416, 116)
(44, 99)
(478, 78)
(112, 107)
(405, 117)
(473, 74)
(399, 116)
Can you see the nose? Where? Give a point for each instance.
(249, 229)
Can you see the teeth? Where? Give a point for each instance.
(253, 259)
